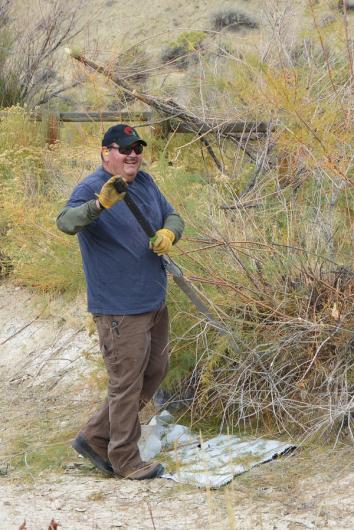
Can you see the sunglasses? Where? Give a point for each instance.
(137, 148)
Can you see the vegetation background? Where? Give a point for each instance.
(269, 239)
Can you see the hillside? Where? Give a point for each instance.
(136, 40)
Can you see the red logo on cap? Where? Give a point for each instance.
(128, 131)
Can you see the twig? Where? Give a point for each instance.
(239, 206)
(151, 516)
(54, 94)
(210, 150)
(21, 329)
(259, 166)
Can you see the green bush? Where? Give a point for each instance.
(181, 51)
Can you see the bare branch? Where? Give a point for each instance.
(29, 71)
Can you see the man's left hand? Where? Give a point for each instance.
(162, 242)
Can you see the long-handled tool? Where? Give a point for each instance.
(172, 268)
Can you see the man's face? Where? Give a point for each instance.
(126, 166)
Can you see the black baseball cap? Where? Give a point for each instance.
(121, 134)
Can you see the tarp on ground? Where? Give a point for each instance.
(205, 463)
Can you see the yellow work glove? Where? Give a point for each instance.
(108, 195)
(162, 241)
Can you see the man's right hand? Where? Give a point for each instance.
(108, 195)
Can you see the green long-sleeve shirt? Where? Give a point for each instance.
(72, 219)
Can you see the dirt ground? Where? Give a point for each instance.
(50, 379)
(263, 500)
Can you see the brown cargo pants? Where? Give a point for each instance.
(135, 351)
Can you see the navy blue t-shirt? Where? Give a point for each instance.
(123, 275)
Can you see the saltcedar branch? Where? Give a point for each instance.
(167, 106)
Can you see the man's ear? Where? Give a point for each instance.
(104, 152)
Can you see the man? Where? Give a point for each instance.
(126, 285)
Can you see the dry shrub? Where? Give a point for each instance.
(132, 65)
(182, 52)
(232, 20)
(176, 55)
(276, 262)
(287, 303)
(29, 58)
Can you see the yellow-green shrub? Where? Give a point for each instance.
(40, 256)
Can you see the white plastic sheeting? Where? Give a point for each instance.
(205, 463)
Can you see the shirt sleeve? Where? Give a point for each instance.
(80, 210)
(172, 220)
(175, 223)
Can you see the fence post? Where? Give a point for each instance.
(51, 126)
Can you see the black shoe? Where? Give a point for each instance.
(144, 471)
(82, 447)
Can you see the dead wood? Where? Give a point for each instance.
(171, 108)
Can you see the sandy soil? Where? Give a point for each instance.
(91, 502)
(44, 372)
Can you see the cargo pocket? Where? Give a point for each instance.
(108, 332)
